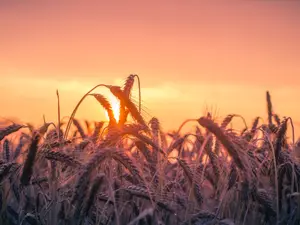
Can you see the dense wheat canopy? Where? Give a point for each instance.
(190, 53)
(162, 112)
(129, 171)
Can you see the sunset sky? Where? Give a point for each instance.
(190, 55)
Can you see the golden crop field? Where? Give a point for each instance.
(129, 171)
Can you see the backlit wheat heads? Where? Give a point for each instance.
(114, 174)
(128, 163)
(19, 147)
(145, 194)
(6, 150)
(9, 130)
(61, 157)
(76, 108)
(155, 128)
(227, 120)
(212, 157)
(227, 143)
(96, 133)
(254, 125)
(145, 151)
(29, 162)
(84, 177)
(127, 91)
(269, 108)
(192, 182)
(277, 119)
(92, 194)
(134, 130)
(79, 128)
(99, 156)
(116, 91)
(128, 86)
(106, 105)
(280, 140)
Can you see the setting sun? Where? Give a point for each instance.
(115, 106)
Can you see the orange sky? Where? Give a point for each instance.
(189, 55)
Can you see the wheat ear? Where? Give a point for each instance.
(227, 143)
(28, 166)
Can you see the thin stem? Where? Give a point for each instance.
(58, 116)
(293, 129)
(77, 106)
(186, 121)
(276, 175)
(140, 94)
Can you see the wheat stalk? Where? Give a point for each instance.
(218, 132)
(28, 166)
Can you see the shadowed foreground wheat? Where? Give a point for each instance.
(124, 172)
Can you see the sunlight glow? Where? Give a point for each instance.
(115, 105)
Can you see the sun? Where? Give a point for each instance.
(115, 105)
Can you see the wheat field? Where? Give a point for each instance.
(129, 171)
